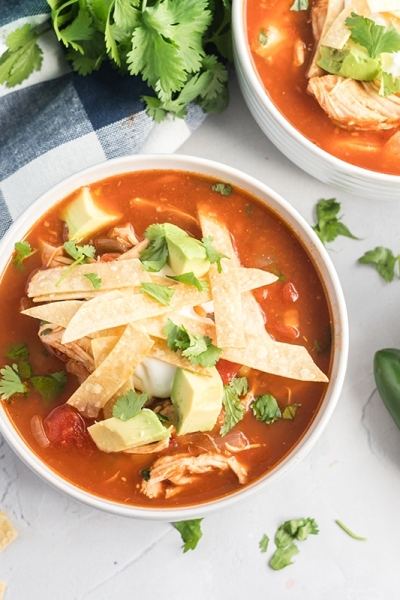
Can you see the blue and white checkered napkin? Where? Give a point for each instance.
(57, 122)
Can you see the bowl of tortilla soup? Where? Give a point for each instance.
(321, 89)
(176, 337)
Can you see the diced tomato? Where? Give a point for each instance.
(288, 331)
(65, 427)
(289, 293)
(227, 370)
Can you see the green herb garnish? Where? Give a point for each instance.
(212, 254)
(263, 543)
(49, 386)
(23, 250)
(80, 254)
(17, 351)
(374, 38)
(190, 532)
(265, 408)
(22, 57)
(225, 189)
(234, 409)
(383, 260)
(191, 279)
(350, 533)
(94, 279)
(155, 256)
(329, 225)
(197, 348)
(289, 412)
(159, 292)
(287, 533)
(145, 474)
(129, 405)
(10, 382)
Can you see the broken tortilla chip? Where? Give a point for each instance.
(110, 375)
(7, 531)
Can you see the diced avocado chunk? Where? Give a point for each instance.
(171, 230)
(83, 217)
(352, 62)
(197, 400)
(115, 435)
(186, 255)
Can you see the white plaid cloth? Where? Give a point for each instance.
(57, 122)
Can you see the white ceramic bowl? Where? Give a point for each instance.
(315, 249)
(300, 150)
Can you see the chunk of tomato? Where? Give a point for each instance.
(289, 293)
(227, 370)
(65, 427)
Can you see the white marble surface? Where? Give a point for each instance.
(66, 551)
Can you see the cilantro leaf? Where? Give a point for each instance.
(10, 382)
(389, 84)
(349, 532)
(94, 279)
(375, 38)
(23, 251)
(190, 532)
(234, 409)
(282, 557)
(329, 225)
(154, 257)
(225, 189)
(81, 28)
(23, 56)
(384, 261)
(263, 543)
(80, 254)
(17, 351)
(265, 408)
(191, 279)
(198, 349)
(212, 254)
(289, 412)
(129, 405)
(159, 292)
(299, 5)
(49, 386)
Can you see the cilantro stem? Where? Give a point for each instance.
(349, 532)
(71, 266)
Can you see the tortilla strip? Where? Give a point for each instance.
(57, 313)
(225, 288)
(338, 34)
(114, 274)
(110, 375)
(7, 531)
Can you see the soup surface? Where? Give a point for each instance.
(293, 307)
(282, 67)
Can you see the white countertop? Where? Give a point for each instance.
(67, 551)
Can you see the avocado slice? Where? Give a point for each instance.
(197, 400)
(116, 435)
(352, 62)
(186, 255)
(83, 217)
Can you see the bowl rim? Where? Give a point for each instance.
(309, 240)
(241, 47)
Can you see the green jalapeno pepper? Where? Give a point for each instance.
(387, 378)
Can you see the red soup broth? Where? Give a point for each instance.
(286, 85)
(262, 240)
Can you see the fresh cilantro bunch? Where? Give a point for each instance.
(179, 47)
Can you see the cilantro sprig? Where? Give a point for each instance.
(11, 382)
(23, 251)
(329, 226)
(234, 409)
(383, 260)
(287, 533)
(191, 279)
(80, 254)
(190, 531)
(212, 254)
(129, 405)
(266, 409)
(179, 47)
(374, 38)
(198, 349)
(161, 293)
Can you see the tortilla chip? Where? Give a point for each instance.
(338, 34)
(7, 531)
(277, 358)
(57, 313)
(112, 373)
(113, 275)
(225, 287)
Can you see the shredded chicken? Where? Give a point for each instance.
(135, 251)
(125, 234)
(79, 350)
(54, 256)
(181, 469)
(354, 104)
